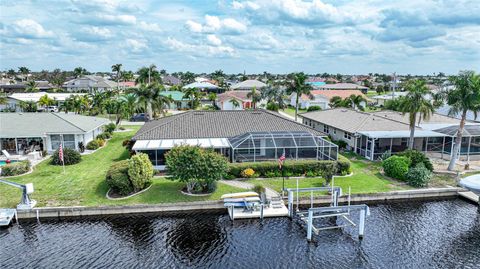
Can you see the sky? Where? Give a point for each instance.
(276, 36)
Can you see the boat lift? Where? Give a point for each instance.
(334, 210)
(26, 203)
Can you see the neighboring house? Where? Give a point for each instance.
(343, 86)
(90, 83)
(202, 86)
(224, 100)
(21, 133)
(322, 98)
(248, 85)
(42, 85)
(171, 80)
(316, 81)
(382, 99)
(373, 134)
(178, 101)
(241, 136)
(15, 99)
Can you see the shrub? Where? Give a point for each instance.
(104, 136)
(117, 178)
(396, 166)
(258, 188)
(290, 168)
(418, 176)
(340, 143)
(15, 169)
(70, 156)
(313, 108)
(140, 171)
(247, 173)
(197, 167)
(93, 145)
(101, 142)
(416, 157)
(343, 166)
(121, 128)
(273, 106)
(109, 128)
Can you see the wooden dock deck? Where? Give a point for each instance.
(469, 196)
(268, 212)
(6, 216)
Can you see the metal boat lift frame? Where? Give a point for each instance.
(26, 203)
(334, 210)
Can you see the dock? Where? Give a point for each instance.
(262, 212)
(468, 195)
(6, 216)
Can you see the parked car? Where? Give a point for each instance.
(140, 117)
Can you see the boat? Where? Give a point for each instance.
(471, 183)
(240, 195)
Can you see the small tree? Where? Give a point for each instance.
(140, 171)
(328, 171)
(198, 168)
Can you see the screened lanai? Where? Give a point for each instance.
(262, 146)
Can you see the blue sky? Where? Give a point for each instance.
(278, 36)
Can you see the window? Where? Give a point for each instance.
(69, 141)
(56, 140)
(325, 129)
(334, 131)
(347, 135)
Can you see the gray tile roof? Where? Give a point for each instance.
(434, 118)
(469, 130)
(218, 124)
(354, 121)
(248, 84)
(39, 124)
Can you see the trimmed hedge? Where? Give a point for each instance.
(140, 171)
(416, 157)
(16, 168)
(270, 169)
(418, 176)
(117, 178)
(93, 145)
(70, 156)
(109, 128)
(104, 136)
(396, 166)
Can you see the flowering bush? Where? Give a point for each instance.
(247, 173)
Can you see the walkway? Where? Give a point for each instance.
(245, 185)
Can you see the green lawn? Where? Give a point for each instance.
(366, 178)
(84, 183)
(291, 111)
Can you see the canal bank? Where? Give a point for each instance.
(79, 211)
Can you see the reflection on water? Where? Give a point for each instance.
(436, 234)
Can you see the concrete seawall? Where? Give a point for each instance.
(78, 211)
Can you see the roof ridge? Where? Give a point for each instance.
(285, 118)
(69, 122)
(174, 117)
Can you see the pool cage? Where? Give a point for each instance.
(264, 146)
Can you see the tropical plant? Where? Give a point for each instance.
(463, 98)
(24, 71)
(79, 72)
(299, 87)
(28, 106)
(194, 95)
(129, 102)
(235, 103)
(46, 101)
(93, 145)
(117, 178)
(416, 102)
(212, 97)
(31, 86)
(396, 166)
(418, 176)
(98, 100)
(3, 99)
(160, 102)
(328, 171)
(416, 157)
(357, 101)
(187, 77)
(140, 171)
(117, 68)
(70, 156)
(116, 107)
(144, 95)
(255, 96)
(148, 75)
(273, 94)
(336, 101)
(15, 169)
(313, 108)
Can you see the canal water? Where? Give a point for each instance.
(432, 234)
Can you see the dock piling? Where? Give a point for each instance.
(309, 225)
(361, 226)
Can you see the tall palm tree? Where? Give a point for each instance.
(193, 94)
(79, 71)
(416, 102)
(148, 75)
(160, 102)
(212, 97)
(336, 101)
(144, 94)
(24, 71)
(98, 100)
(46, 101)
(356, 101)
(32, 86)
(274, 94)
(130, 102)
(116, 107)
(118, 69)
(28, 106)
(255, 96)
(463, 98)
(299, 87)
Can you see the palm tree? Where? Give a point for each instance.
(193, 94)
(212, 97)
(24, 71)
(255, 96)
(118, 69)
(160, 102)
(129, 101)
(235, 103)
(46, 101)
(79, 71)
(463, 98)
(67, 105)
(3, 99)
(148, 75)
(98, 100)
(144, 94)
(416, 102)
(32, 86)
(28, 106)
(336, 101)
(299, 87)
(116, 107)
(274, 95)
(356, 101)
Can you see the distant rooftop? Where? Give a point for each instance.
(35, 96)
(342, 86)
(248, 85)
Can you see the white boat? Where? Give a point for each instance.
(240, 195)
(471, 183)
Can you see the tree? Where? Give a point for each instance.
(117, 68)
(255, 96)
(46, 101)
(3, 99)
(274, 95)
(160, 102)
(98, 100)
(145, 96)
(212, 97)
(328, 171)
(129, 102)
(194, 95)
(416, 102)
(356, 101)
(79, 72)
(234, 103)
(299, 87)
(28, 106)
(140, 171)
(148, 75)
(198, 168)
(187, 77)
(32, 86)
(24, 71)
(337, 101)
(463, 98)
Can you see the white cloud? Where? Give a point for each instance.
(151, 27)
(135, 45)
(117, 19)
(212, 22)
(29, 28)
(194, 26)
(215, 24)
(234, 25)
(214, 40)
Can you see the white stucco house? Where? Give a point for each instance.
(21, 133)
(14, 100)
(89, 83)
(322, 98)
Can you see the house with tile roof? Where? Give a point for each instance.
(248, 85)
(21, 133)
(89, 83)
(373, 134)
(224, 100)
(240, 135)
(322, 98)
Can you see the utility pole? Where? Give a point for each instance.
(394, 86)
